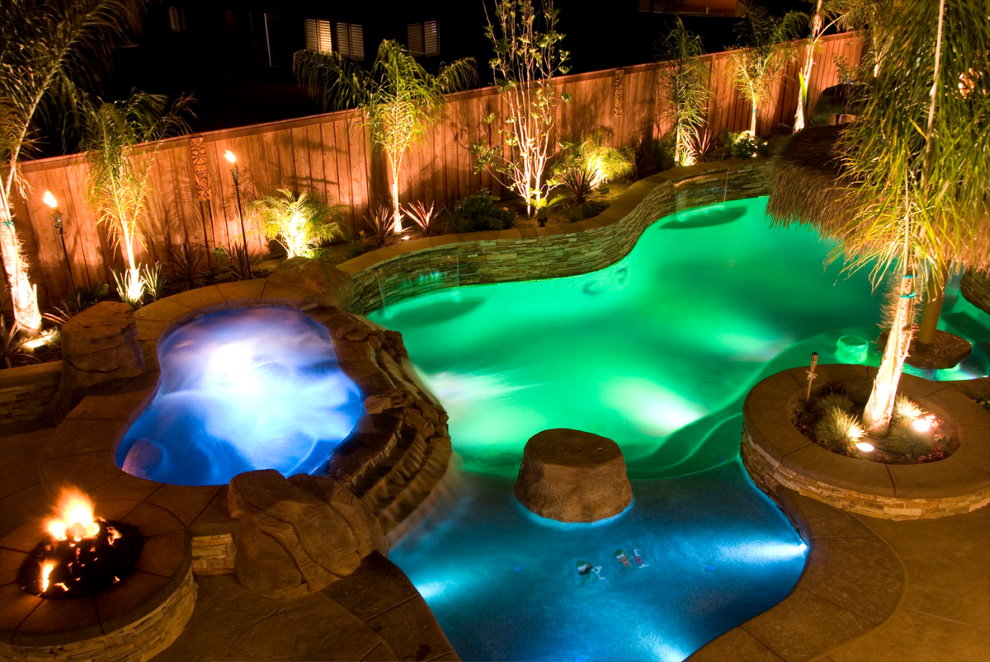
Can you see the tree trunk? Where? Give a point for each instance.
(930, 314)
(23, 295)
(880, 406)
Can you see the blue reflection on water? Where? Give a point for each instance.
(253, 388)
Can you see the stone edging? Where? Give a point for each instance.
(776, 454)
(392, 460)
(419, 266)
(851, 584)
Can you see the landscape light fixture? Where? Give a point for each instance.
(49, 199)
(234, 174)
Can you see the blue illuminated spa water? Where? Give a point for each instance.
(656, 352)
(253, 388)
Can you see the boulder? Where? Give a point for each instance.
(98, 345)
(332, 284)
(298, 535)
(573, 476)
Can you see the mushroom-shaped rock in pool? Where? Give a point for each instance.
(573, 476)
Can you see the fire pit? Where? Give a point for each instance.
(83, 554)
(112, 579)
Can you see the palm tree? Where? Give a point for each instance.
(686, 78)
(296, 222)
(917, 161)
(398, 97)
(119, 165)
(47, 49)
(762, 52)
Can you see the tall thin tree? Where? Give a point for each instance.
(686, 79)
(48, 49)
(398, 97)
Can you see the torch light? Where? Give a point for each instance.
(235, 175)
(50, 200)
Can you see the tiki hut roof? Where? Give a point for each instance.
(809, 187)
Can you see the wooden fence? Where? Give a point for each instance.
(193, 199)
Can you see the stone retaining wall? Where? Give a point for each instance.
(26, 397)
(976, 288)
(420, 266)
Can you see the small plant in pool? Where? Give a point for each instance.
(255, 388)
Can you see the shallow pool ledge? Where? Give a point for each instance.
(408, 269)
(851, 584)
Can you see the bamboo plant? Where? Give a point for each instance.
(48, 49)
(399, 99)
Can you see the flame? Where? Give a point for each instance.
(46, 573)
(74, 519)
(113, 535)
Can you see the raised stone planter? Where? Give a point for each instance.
(573, 476)
(777, 455)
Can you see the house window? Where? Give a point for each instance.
(318, 35)
(350, 40)
(423, 38)
(177, 19)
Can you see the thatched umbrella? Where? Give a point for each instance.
(811, 186)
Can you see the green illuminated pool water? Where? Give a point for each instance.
(652, 352)
(656, 352)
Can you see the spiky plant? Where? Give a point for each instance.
(49, 49)
(297, 222)
(399, 99)
(120, 163)
(838, 429)
(762, 52)
(686, 80)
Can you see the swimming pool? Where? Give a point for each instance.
(656, 352)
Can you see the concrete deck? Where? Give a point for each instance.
(874, 590)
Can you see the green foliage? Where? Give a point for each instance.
(744, 145)
(587, 166)
(762, 53)
(49, 50)
(154, 281)
(297, 223)
(398, 97)
(527, 56)
(186, 264)
(480, 211)
(12, 344)
(685, 77)
(834, 400)
(838, 429)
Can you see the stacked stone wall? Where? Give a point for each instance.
(26, 396)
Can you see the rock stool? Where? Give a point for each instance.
(573, 476)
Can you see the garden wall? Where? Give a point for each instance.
(193, 200)
(26, 397)
(415, 267)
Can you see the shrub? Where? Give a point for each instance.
(744, 145)
(297, 223)
(588, 166)
(480, 211)
(838, 430)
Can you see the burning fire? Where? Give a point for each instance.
(74, 519)
(82, 553)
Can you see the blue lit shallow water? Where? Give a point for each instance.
(656, 352)
(253, 388)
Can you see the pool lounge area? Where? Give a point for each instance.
(851, 561)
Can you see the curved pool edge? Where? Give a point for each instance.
(852, 583)
(392, 460)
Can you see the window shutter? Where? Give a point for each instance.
(414, 38)
(318, 35)
(431, 38)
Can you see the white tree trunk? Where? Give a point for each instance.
(24, 295)
(880, 406)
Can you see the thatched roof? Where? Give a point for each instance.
(809, 187)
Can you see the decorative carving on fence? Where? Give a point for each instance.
(201, 172)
